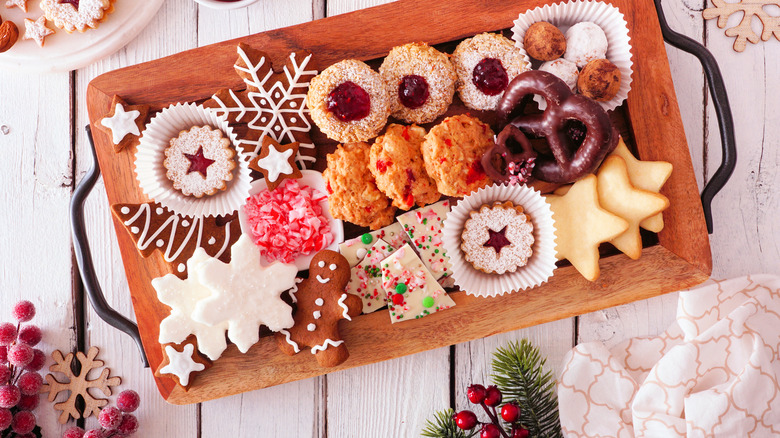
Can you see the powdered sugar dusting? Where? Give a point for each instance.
(519, 232)
(66, 16)
(215, 147)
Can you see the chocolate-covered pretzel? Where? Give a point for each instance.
(503, 163)
(567, 163)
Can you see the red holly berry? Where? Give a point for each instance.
(30, 383)
(20, 355)
(5, 418)
(490, 430)
(5, 374)
(23, 311)
(465, 420)
(520, 432)
(493, 396)
(128, 401)
(7, 333)
(510, 412)
(74, 432)
(37, 362)
(9, 396)
(23, 422)
(3, 354)
(128, 426)
(30, 335)
(29, 402)
(476, 393)
(110, 417)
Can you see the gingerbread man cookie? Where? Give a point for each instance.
(322, 302)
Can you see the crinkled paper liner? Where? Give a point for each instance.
(608, 17)
(150, 171)
(540, 265)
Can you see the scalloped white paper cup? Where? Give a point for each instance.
(608, 17)
(310, 178)
(541, 264)
(150, 171)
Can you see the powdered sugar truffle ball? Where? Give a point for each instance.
(585, 42)
(563, 69)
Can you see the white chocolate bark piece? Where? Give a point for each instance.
(412, 291)
(354, 250)
(366, 279)
(424, 228)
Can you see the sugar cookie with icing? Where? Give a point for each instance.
(182, 363)
(276, 162)
(124, 123)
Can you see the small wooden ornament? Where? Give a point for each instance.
(722, 10)
(79, 384)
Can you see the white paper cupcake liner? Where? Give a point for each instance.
(150, 172)
(541, 264)
(608, 17)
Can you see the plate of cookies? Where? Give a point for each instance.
(305, 202)
(53, 35)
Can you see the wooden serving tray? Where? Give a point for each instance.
(650, 120)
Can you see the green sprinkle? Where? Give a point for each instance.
(400, 288)
(427, 302)
(367, 238)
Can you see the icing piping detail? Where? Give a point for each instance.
(326, 344)
(290, 341)
(344, 306)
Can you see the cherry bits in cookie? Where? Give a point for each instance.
(200, 161)
(398, 167)
(348, 101)
(420, 82)
(485, 65)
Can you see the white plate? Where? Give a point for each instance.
(63, 51)
(313, 179)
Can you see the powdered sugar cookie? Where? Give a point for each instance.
(71, 15)
(200, 161)
(498, 238)
(21, 4)
(123, 123)
(36, 30)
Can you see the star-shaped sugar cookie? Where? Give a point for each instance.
(581, 225)
(21, 4)
(36, 30)
(245, 294)
(123, 123)
(619, 197)
(182, 296)
(645, 175)
(181, 363)
(276, 162)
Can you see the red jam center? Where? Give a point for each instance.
(75, 3)
(497, 239)
(490, 76)
(198, 162)
(413, 91)
(348, 102)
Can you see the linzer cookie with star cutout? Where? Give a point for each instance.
(80, 15)
(498, 238)
(200, 161)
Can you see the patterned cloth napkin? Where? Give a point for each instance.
(713, 373)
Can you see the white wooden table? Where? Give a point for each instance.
(45, 152)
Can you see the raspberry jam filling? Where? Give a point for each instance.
(413, 91)
(490, 76)
(198, 162)
(497, 239)
(349, 102)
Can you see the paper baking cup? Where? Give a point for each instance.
(608, 17)
(541, 264)
(150, 172)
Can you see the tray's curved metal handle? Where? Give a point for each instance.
(721, 101)
(84, 256)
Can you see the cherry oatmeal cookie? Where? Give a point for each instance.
(348, 101)
(352, 192)
(453, 151)
(420, 82)
(398, 167)
(486, 64)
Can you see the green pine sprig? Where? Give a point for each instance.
(518, 371)
(443, 426)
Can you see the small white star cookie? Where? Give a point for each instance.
(276, 162)
(36, 30)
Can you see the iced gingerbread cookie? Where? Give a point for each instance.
(366, 279)
(200, 161)
(424, 228)
(321, 304)
(348, 101)
(485, 65)
(453, 151)
(276, 162)
(398, 168)
(272, 104)
(498, 238)
(124, 123)
(182, 363)
(354, 250)
(412, 291)
(72, 15)
(352, 192)
(420, 82)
